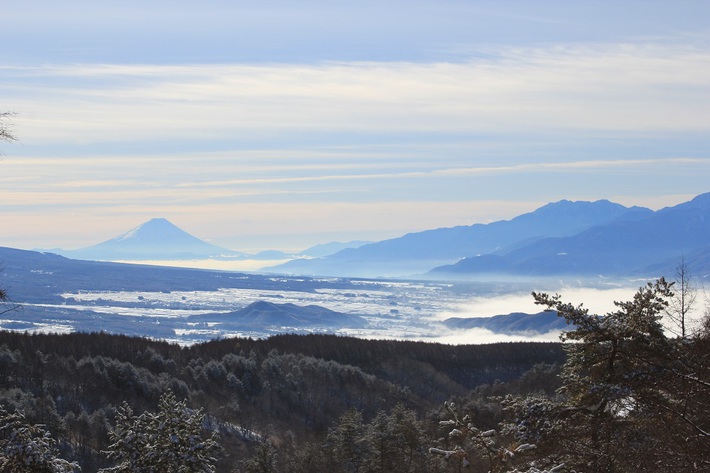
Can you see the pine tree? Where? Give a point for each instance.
(170, 440)
(347, 444)
(28, 448)
(396, 441)
(485, 450)
(263, 460)
(633, 399)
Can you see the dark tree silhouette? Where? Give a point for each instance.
(6, 133)
(634, 399)
(681, 305)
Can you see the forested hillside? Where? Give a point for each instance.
(623, 395)
(286, 387)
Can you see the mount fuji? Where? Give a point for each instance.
(156, 239)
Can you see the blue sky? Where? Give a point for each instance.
(274, 124)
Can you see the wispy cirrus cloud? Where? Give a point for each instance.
(605, 87)
(274, 120)
(576, 166)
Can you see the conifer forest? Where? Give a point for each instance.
(618, 393)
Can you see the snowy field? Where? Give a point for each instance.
(411, 310)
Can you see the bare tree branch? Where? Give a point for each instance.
(6, 133)
(682, 303)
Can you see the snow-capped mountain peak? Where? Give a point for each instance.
(156, 239)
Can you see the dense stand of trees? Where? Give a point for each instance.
(623, 395)
(631, 399)
(288, 390)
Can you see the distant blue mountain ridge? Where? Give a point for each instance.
(560, 238)
(158, 239)
(650, 244)
(419, 252)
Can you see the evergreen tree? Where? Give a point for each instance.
(397, 441)
(633, 399)
(347, 444)
(28, 448)
(484, 450)
(169, 441)
(263, 460)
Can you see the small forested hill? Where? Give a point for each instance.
(467, 366)
(265, 313)
(517, 322)
(299, 384)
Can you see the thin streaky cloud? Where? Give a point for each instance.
(627, 87)
(125, 195)
(299, 124)
(576, 166)
(488, 170)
